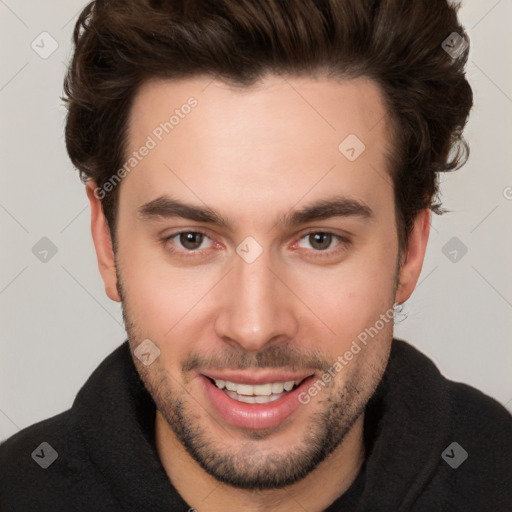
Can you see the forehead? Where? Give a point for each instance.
(350, 105)
(271, 142)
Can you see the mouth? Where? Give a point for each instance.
(256, 393)
(254, 403)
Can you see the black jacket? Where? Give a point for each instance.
(106, 460)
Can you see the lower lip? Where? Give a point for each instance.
(254, 416)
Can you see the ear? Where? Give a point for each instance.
(413, 256)
(102, 242)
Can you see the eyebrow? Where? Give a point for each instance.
(338, 206)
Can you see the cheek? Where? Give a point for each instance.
(352, 297)
(163, 300)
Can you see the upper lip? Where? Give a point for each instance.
(255, 377)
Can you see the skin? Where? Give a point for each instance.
(253, 155)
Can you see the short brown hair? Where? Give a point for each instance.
(119, 44)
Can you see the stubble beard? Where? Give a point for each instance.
(249, 466)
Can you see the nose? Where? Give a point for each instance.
(256, 309)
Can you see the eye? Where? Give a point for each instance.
(319, 241)
(189, 240)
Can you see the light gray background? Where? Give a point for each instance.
(57, 324)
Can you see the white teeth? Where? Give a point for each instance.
(247, 399)
(277, 387)
(262, 389)
(231, 386)
(288, 386)
(244, 389)
(253, 399)
(259, 390)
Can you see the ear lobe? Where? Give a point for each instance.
(413, 257)
(103, 243)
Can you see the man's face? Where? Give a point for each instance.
(266, 296)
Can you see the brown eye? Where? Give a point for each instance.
(320, 241)
(191, 240)
(188, 244)
(323, 244)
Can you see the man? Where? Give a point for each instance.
(261, 176)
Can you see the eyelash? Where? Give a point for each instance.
(344, 242)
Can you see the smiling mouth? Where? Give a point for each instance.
(257, 393)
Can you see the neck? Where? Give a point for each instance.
(203, 492)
